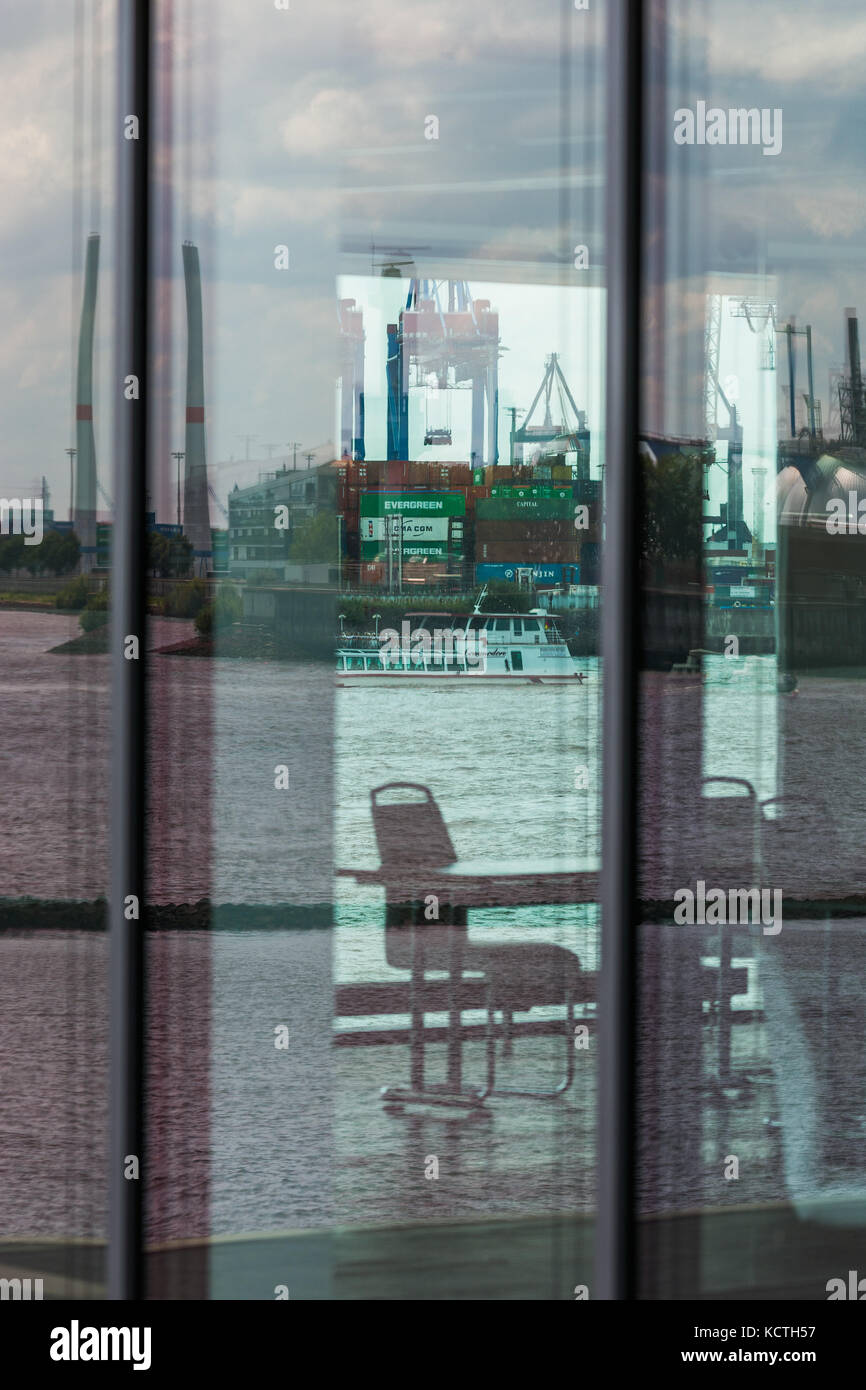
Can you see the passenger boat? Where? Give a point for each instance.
(517, 647)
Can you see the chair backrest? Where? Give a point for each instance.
(729, 827)
(410, 831)
(718, 839)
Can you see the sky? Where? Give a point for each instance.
(306, 128)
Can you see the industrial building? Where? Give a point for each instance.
(255, 542)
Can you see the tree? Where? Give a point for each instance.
(12, 553)
(58, 553)
(168, 557)
(315, 541)
(671, 507)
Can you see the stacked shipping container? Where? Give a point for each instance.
(510, 518)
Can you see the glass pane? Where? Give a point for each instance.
(389, 420)
(470, 257)
(752, 1068)
(56, 400)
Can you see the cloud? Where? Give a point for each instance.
(803, 42)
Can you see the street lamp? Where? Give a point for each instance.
(342, 629)
(178, 454)
(377, 618)
(71, 453)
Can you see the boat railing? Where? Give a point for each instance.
(360, 639)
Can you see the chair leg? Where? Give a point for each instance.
(452, 1092)
(566, 1080)
(416, 1013)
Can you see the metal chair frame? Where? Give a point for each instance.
(405, 915)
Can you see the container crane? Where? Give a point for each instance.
(442, 331)
(556, 438)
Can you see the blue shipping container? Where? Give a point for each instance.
(541, 574)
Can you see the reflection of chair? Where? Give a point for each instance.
(812, 976)
(720, 846)
(421, 935)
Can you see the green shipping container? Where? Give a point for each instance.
(534, 490)
(524, 508)
(413, 504)
(103, 545)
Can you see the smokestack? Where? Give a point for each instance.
(84, 512)
(735, 518)
(759, 484)
(196, 516)
(853, 346)
(855, 379)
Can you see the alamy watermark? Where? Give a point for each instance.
(736, 126)
(22, 516)
(418, 644)
(22, 1290)
(854, 1289)
(77, 1343)
(737, 907)
(846, 518)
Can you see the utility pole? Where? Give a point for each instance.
(309, 458)
(294, 445)
(247, 438)
(178, 454)
(791, 332)
(71, 453)
(513, 411)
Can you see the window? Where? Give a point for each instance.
(405, 327)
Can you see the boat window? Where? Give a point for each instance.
(503, 624)
(530, 624)
(518, 627)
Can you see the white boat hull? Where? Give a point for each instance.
(358, 678)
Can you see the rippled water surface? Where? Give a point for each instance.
(246, 1136)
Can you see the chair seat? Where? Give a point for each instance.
(523, 975)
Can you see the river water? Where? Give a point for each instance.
(246, 1136)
